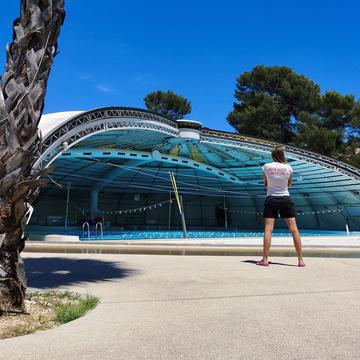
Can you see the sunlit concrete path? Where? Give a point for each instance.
(198, 307)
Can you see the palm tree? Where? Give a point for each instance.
(23, 88)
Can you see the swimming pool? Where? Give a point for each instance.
(141, 235)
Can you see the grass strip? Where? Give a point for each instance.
(45, 310)
(68, 312)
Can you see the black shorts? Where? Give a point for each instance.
(279, 205)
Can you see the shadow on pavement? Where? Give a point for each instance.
(270, 263)
(56, 272)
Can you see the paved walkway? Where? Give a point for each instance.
(198, 307)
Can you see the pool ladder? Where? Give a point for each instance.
(86, 225)
(97, 227)
(99, 234)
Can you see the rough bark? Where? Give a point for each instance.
(22, 93)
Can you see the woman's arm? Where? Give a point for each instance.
(265, 180)
(290, 181)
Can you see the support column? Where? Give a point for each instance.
(225, 214)
(94, 201)
(111, 175)
(169, 218)
(68, 185)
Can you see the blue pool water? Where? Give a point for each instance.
(139, 235)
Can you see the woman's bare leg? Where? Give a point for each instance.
(269, 226)
(291, 223)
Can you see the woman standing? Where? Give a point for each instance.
(277, 179)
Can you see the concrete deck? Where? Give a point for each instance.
(198, 307)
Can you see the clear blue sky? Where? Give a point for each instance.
(115, 52)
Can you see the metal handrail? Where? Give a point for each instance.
(88, 229)
(99, 224)
(29, 213)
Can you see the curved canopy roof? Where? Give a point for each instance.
(50, 122)
(125, 149)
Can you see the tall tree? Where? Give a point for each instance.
(336, 110)
(320, 140)
(276, 103)
(354, 116)
(23, 88)
(168, 103)
(332, 130)
(270, 99)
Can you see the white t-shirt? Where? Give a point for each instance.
(277, 175)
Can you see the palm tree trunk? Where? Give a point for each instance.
(22, 93)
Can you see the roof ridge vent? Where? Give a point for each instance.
(189, 129)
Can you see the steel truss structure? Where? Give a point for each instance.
(92, 122)
(246, 142)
